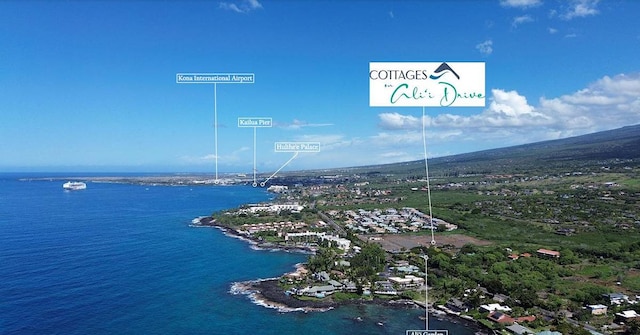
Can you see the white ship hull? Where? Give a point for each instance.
(74, 185)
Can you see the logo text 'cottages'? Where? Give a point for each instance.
(426, 84)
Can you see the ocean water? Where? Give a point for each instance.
(122, 259)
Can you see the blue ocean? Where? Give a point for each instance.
(122, 259)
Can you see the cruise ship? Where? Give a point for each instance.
(74, 185)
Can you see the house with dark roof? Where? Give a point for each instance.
(318, 291)
(457, 305)
(499, 297)
(500, 317)
(626, 316)
(617, 298)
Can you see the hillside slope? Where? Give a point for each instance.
(590, 149)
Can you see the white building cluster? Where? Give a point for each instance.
(341, 243)
(273, 208)
(277, 188)
(250, 229)
(389, 221)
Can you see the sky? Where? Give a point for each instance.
(91, 85)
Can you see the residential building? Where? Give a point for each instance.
(597, 309)
(499, 297)
(340, 242)
(548, 253)
(408, 281)
(626, 316)
(319, 291)
(494, 307)
(519, 330)
(617, 298)
(500, 317)
(457, 305)
(385, 288)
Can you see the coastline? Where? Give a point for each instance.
(208, 221)
(267, 292)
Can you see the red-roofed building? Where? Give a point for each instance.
(500, 317)
(528, 318)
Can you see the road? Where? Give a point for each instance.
(335, 226)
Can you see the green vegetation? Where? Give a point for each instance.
(369, 261)
(579, 196)
(237, 219)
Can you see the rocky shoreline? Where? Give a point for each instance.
(269, 294)
(208, 221)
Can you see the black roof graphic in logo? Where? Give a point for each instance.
(444, 67)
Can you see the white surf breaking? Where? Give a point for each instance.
(247, 288)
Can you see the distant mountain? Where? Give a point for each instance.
(591, 149)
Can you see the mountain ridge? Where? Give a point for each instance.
(621, 143)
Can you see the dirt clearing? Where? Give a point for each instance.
(395, 243)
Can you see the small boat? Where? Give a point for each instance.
(74, 185)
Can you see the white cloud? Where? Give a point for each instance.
(520, 3)
(509, 119)
(510, 109)
(329, 141)
(386, 139)
(625, 85)
(243, 6)
(322, 138)
(233, 157)
(209, 157)
(609, 102)
(486, 47)
(391, 15)
(580, 8)
(231, 7)
(520, 20)
(553, 31)
(254, 4)
(298, 124)
(394, 121)
(398, 156)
